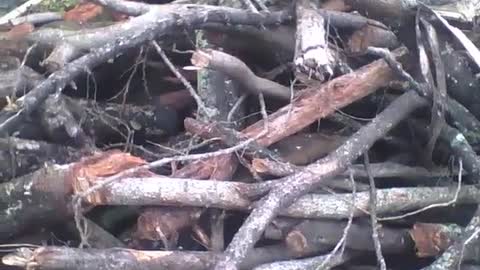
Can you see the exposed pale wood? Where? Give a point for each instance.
(318, 101)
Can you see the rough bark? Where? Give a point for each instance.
(43, 197)
(313, 56)
(161, 190)
(311, 237)
(19, 157)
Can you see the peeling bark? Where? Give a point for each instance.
(43, 197)
(313, 57)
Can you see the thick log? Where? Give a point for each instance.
(50, 258)
(391, 12)
(43, 198)
(312, 236)
(19, 157)
(35, 200)
(161, 190)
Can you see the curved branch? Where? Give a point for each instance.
(239, 71)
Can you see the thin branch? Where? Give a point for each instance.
(373, 214)
(263, 110)
(201, 105)
(235, 107)
(342, 241)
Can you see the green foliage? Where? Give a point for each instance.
(57, 5)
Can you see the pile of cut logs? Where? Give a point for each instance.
(253, 134)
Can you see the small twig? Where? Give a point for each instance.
(144, 77)
(185, 150)
(126, 88)
(446, 204)
(82, 223)
(263, 110)
(471, 238)
(22, 65)
(292, 95)
(163, 238)
(27, 53)
(235, 107)
(373, 214)
(397, 67)
(342, 241)
(201, 105)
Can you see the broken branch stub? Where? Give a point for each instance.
(313, 57)
(239, 71)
